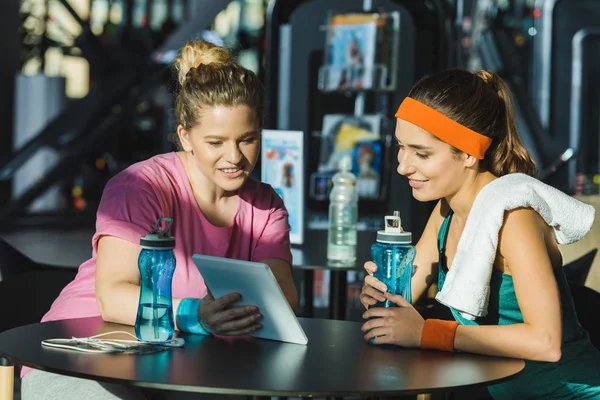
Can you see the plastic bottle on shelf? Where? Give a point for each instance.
(343, 216)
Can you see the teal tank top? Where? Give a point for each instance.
(576, 376)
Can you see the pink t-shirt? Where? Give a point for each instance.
(135, 198)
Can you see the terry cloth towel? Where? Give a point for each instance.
(467, 285)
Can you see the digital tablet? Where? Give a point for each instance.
(258, 286)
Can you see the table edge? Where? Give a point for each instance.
(250, 392)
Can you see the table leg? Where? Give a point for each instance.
(308, 288)
(7, 379)
(338, 293)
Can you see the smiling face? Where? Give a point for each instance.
(432, 168)
(225, 145)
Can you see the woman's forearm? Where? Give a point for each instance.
(119, 304)
(516, 341)
(290, 293)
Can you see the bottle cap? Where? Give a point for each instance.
(345, 175)
(159, 238)
(393, 232)
(345, 163)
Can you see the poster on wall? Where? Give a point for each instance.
(282, 167)
(358, 137)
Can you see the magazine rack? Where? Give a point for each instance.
(354, 78)
(361, 51)
(360, 56)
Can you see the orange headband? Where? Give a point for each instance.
(448, 130)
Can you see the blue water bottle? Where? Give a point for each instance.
(154, 321)
(393, 253)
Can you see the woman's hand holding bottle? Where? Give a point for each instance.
(373, 290)
(401, 325)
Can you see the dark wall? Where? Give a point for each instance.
(9, 50)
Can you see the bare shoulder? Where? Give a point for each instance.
(524, 230)
(523, 233)
(518, 219)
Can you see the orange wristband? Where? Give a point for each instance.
(438, 334)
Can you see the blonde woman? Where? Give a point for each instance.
(218, 210)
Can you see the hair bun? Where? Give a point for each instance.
(200, 52)
(490, 78)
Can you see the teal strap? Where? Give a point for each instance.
(443, 233)
(187, 316)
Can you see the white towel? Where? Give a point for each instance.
(467, 285)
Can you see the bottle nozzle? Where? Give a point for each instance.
(162, 233)
(393, 224)
(159, 237)
(393, 232)
(345, 163)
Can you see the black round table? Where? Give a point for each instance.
(336, 362)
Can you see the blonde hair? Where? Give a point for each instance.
(208, 76)
(480, 101)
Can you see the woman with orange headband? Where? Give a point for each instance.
(456, 133)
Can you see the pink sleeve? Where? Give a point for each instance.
(127, 210)
(275, 239)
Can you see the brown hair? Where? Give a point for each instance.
(480, 101)
(209, 76)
